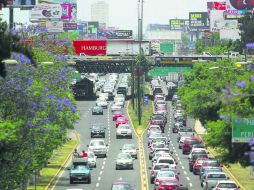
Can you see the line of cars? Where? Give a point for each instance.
(163, 169)
(200, 162)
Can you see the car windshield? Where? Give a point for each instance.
(216, 176)
(213, 163)
(227, 185)
(157, 117)
(200, 161)
(124, 127)
(129, 146)
(97, 143)
(158, 145)
(166, 174)
(168, 183)
(80, 167)
(123, 156)
(196, 156)
(97, 126)
(120, 119)
(155, 135)
(158, 167)
(120, 187)
(118, 112)
(183, 129)
(191, 141)
(168, 161)
(90, 154)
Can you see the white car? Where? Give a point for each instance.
(98, 146)
(131, 149)
(203, 150)
(169, 160)
(124, 130)
(91, 159)
(120, 103)
(115, 107)
(103, 96)
(226, 185)
(102, 102)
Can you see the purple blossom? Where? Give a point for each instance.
(19, 87)
(241, 84)
(29, 81)
(47, 120)
(51, 96)
(224, 117)
(252, 78)
(235, 94)
(251, 66)
(226, 91)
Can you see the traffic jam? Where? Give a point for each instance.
(164, 167)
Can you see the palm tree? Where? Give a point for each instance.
(9, 42)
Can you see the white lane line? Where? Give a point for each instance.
(180, 162)
(177, 155)
(101, 172)
(183, 167)
(190, 184)
(97, 184)
(188, 178)
(102, 168)
(104, 162)
(99, 178)
(185, 173)
(104, 159)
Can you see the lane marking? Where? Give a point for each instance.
(101, 172)
(185, 173)
(97, 184)
(188, 178)
(99, 178)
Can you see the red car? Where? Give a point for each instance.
(170, 184)
(197, 165)
(121, 120)
(117, 114)
(188, 143)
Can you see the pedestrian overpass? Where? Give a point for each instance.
(126, 64)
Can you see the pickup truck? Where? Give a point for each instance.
(80, 171)
(212, 179)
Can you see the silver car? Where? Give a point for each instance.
(131, 149)
(91, 159)
(98, 146)
(124, 130)
(124, 161)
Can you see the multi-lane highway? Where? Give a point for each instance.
(105, 173)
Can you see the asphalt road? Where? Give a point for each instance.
(104, 174)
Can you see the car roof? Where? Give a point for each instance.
(226, 181)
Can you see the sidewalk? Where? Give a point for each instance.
(200, 130)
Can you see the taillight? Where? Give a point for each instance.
(152, 172)
(156, 180)
(206, 184)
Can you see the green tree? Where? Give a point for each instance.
(246, 26)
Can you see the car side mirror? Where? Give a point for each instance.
(228, 177)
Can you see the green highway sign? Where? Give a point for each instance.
(242, 130)
(166, 47)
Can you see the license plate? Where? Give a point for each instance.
(79, 177)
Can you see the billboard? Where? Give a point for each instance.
(46, 12)
(216, 6)
(217, 21)
(54, 26)
(70, 26)
(90, 47)
(198, 20)
(166, 47)
(82, 28)
(92, 27)
(21, 3)
(120, 34)
(239, 7)
(176, 24)
(242, 130)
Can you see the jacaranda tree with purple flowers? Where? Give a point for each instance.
(36, 109)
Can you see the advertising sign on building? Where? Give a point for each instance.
(242, 130)
(92, 27)
(216, 5)
(82, 28)
(218, 22)
(239, 7)
(177, 24)
(54, 26)
(198, 20)
(90, 47)
(46, 12)
(166, 47)
(21, 3)
(120, 34)
(70, 26)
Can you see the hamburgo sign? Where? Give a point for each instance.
(90, 47)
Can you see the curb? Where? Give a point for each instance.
(63, 164)
(224, 168)
(142, 162)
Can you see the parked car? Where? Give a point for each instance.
(98, 130)
(124, 161)
(121, 120)
(97, 110)
(124, 130)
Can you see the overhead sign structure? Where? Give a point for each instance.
(242, 130)
(120, 34)
(198, 20)
(166, 47)
(54, 26)
(47, 12)
(177, 24)
(90, 47)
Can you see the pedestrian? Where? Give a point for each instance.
(75, 153)
(84, 154)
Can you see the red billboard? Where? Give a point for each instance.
(216, 5)
(90, 47)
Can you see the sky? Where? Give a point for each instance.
(124, 13)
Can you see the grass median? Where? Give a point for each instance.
(147, 111)
(47, 173)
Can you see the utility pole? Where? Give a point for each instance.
(11, 15)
